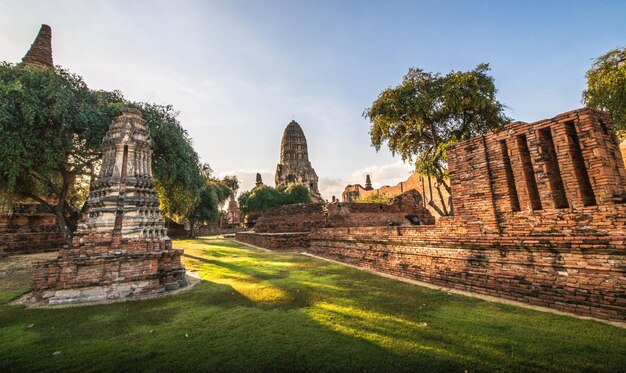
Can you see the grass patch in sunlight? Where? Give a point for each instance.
(260, 311)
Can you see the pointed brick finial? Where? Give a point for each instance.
(368, 182)
(40, 52)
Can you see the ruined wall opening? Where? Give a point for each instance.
(555, 181)
(580, 169)
(529, 173)
(510, 180)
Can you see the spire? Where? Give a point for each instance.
(259, 181)
(368, 183)
(40, 52)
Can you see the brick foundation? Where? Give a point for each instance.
(104, 267)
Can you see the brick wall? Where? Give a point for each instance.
(27, 233)
(580, 274)
(539, 218)
(286, 241)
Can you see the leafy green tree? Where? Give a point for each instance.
(264, 198)
(295, 193)
(606, 86)
(232, 183)
(242, 201)
(212, 195)
(427, 112)
(52, 127)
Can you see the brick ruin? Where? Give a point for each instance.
(294, 166)
(425, 185)
(121, 248)
(233, 215)
(29, 228)
(40, 52)
(288, 227)
(539, 218)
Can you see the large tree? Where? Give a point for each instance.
(606, 86)
(51, 127)
(264, 198)
(427, 112)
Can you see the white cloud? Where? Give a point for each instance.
(388, 174)
(247, 178)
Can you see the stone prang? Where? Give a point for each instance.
(294, 166)
(123, 197)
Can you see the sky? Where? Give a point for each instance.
(239, 71)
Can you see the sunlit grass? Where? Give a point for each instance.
(260, 311)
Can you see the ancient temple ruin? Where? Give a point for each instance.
(294, 166)
(40, 52)
(121, 248)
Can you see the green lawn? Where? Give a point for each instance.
(258, 311)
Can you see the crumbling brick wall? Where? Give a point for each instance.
(27, 233)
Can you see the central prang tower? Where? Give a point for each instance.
(294, 166)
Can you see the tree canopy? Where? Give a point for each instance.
(52, 127)
(264, 198)
(606, 86)
(427, 112)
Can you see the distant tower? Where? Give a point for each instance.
(259, 180)
(40, 52)
(234, 215)
(368, 183)
(294, 166)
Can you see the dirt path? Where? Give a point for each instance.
(16, 271)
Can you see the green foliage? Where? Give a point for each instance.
(242, 201)
(259, 311)
(213, 193)
(264, 198)
(295, 193)
(52, 126)
(375, 198)
(606, 86)
(232, 183)
(427, 112)
(175, 163)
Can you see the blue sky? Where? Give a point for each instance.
(239, 71)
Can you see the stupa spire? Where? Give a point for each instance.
(40, 52)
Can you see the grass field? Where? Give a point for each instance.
(258, 311)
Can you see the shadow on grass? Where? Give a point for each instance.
(258, 311)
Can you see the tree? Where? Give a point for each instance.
(427, 112)
(212, 195)
(264, 198)
(52, 127)
(232, 183)
(606, 86)
(295, 193)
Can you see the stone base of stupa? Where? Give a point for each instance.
(104, 267)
